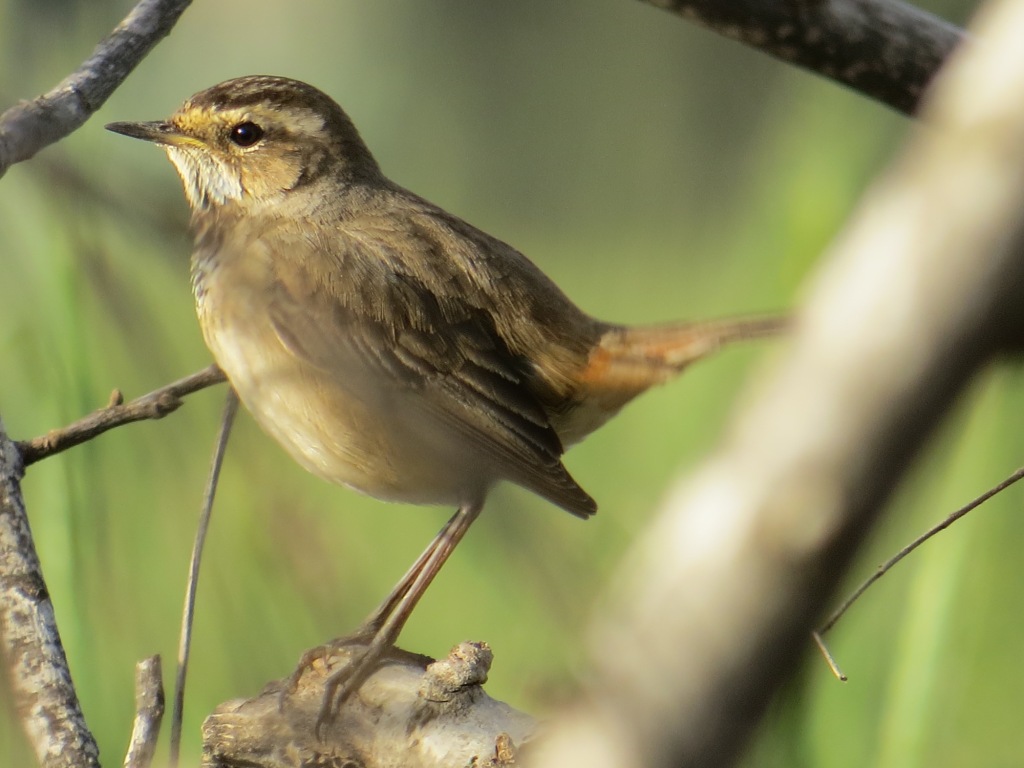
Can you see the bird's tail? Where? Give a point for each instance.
(645, 355)
(630, 360)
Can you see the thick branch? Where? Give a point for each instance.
(40, 680)
(407, 713)
(715, 606)
(884, 49)
(30, 126)
(155, 405)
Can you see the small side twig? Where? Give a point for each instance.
(829, 658)
(888, 565)
(155, 405)
(149, 712)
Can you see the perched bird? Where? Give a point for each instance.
(388, 345)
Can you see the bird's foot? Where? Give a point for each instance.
(322, 654)
(345, 681)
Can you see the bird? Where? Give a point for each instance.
(386, 344)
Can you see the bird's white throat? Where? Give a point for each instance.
(207, 179)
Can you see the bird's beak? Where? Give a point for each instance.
(159, 132)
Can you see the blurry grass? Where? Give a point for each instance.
(655, 171)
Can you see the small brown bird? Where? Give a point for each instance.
(385, 343)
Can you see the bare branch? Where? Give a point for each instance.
(40, 679)
(713, 608)
(884, 49)
(30, 126)
(149, 712)
(155, 405)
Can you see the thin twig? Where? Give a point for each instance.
(888, 564)
(829, 658)
(155, 405)
(188, 614)
(29, 126)
(149, 712)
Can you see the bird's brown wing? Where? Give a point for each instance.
(420, 339)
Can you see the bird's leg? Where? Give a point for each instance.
(387, 621)
(376, 620)
(373, 623)
(381, 629)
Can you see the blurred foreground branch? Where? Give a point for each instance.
(885, 49)
(29, 126)
(715, 605)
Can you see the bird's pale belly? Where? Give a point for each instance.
(379, 440)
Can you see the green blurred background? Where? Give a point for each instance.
(656, 171)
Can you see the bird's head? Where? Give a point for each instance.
(253, 140)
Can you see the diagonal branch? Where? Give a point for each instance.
(155, 405)
(884, 49)
(30, 126)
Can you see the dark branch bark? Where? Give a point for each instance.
(30, 126)
(884, 49)
(155, 405)
(40, 680)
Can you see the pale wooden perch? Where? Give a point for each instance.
(409, 714)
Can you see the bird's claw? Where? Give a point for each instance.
(344, 682)
(322, 653)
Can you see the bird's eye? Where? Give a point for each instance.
(246, 134)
